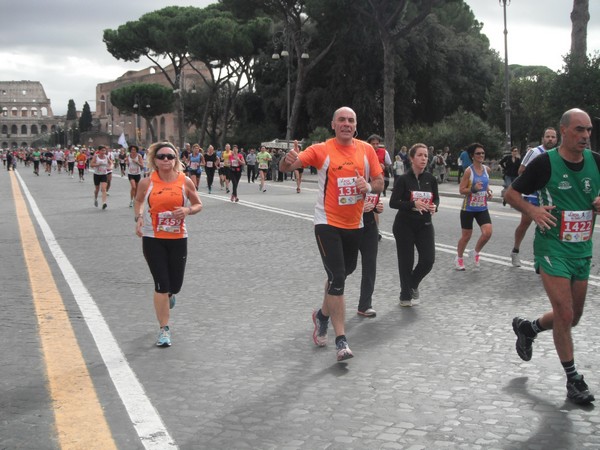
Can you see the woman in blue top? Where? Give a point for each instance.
(474, 185)
(195, 163)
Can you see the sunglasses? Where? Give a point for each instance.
(163, 156)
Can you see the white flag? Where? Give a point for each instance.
(122, 140)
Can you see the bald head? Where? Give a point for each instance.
(565, 120)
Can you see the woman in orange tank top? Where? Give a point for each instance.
(169, 196)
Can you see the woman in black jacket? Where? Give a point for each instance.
(415, 196)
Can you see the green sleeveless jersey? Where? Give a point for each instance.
(572, 193)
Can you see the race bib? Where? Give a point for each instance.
(101, 170)
(134, 169)
(194, 165)
(235, 163)
(263, 166)
(209, 164)
(347, 192)
(371, 198)
(426, 197)
(576, 226)
(478, 199)
(166, 222)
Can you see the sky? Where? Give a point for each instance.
(61, 45)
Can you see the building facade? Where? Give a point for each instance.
(134, 128)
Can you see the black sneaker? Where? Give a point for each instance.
(524, 342)
(577, 392)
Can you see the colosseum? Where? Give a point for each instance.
(26, 114)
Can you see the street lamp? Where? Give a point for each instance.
(506, 102)
(285, 40)
(137, 105)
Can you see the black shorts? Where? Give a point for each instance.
(166, 259)
(466, 218)
(339, 253)
(100, 179)
(136, 178)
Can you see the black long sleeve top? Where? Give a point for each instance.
(403, 194)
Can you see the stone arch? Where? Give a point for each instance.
(4, 129)
(14, 112)
(44, 111)
(24, 129)
(4, 111)
(24, 112)
(34, 129)
(14, 129)
(34, 112)
(44, 128)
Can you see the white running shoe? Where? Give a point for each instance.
(459, 263)
(515, 259)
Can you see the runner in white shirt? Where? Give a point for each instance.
(549, 141)
(135, 167)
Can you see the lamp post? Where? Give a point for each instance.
(137, 105)
(286, 40)
(108, 112)
(506, 102)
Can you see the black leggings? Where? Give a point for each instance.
(339, 253)
(369, 244)
(166, 259)
(235, 180)
(410, 234)
(210, 176)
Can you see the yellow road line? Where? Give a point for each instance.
(79, 419)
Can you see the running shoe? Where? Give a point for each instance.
(414, 292)
(369, 312)
(164, 337)
(515, 259)
(578, 392)
(476, 257)
(172, 301)
(320, 331)
(209, 190)
(131, 204)
(406, 303)
(96, 203)
(459, 263)
(227, 191)
(524, 343)
(104, 206)
(237, 199)
(343, 351)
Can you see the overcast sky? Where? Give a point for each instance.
(60, 43)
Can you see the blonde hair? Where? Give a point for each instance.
(178, 167)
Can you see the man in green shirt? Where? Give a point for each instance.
(568, 179)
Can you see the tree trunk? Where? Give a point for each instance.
(389, 93)
(580, 16)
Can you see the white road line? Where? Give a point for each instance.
(450, 249)
(144, 417)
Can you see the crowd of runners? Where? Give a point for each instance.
(557, 187)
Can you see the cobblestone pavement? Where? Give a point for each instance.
(243, 372)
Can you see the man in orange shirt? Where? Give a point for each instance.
(344, 165)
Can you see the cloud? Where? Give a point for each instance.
(59, 43)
